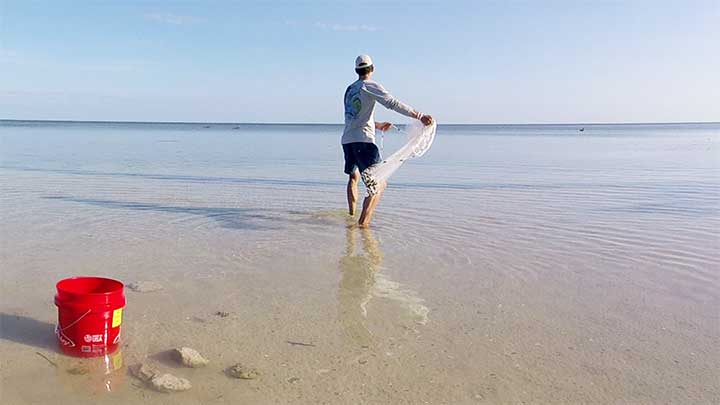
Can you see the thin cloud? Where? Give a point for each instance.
(173, 19)
(345, 28)
(7, 53)
(13, 93)
(10, 56)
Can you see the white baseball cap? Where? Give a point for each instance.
(363, 61)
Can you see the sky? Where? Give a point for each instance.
(290, 61)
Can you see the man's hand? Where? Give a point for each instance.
(383, 126)
(426, 119)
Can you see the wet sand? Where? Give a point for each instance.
(366, 337)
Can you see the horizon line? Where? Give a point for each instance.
(330, 123)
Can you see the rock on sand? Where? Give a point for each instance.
(170, 383)
(190, 357)
(159, 382)
(144, 372)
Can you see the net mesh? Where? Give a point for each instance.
(419, 139)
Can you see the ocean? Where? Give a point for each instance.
(511, 263)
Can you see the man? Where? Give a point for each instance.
(358, 139)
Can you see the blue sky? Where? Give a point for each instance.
(464, 62)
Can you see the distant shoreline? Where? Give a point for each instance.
(339, 124)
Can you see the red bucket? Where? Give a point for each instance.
(89, 315)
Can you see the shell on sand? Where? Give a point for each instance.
(144, 286)
(242, 372)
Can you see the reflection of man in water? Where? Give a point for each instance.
(358, 278)
(361, 280)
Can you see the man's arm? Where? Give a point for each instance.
(383, 97)
(378, 92)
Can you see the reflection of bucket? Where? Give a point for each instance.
(94, 376)
(89, 315)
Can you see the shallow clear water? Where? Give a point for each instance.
(549, 264)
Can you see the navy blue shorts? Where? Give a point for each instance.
(361, 155)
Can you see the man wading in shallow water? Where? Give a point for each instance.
(358, 139)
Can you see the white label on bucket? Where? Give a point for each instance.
(93, 338)
(117, 317)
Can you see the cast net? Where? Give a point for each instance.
(419, 139)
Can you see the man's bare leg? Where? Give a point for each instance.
(369, 205)
(352, 191)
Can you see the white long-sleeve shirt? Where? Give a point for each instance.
(360, 98)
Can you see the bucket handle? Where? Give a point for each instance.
(76, 321)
